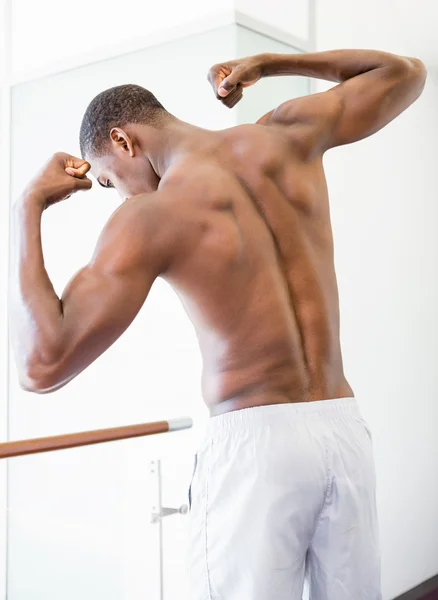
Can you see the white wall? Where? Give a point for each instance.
(64, 32)
(291, 16)
(384, 198)
(4, 247)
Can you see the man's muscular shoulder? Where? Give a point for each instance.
(305, 122)
(256, 147)
(142, 231)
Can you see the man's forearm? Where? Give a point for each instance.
(334, 65)
(36, 311)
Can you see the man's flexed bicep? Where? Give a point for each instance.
(358, 107)
(98, 305)
(375, 87)
(54, 339)
(103, 299)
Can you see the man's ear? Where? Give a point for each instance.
(121, 141)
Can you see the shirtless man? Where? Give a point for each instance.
(238, 222)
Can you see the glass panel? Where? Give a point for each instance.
(79, 525)
(79, 520)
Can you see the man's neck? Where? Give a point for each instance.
(177, 138)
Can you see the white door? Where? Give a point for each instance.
(80, 521)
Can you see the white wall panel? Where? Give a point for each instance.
(384, 194)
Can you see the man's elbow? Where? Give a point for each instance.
(40, 378)
(37, 385)
(414, 70)
(419, 70)
(408, 77)
(33, 387)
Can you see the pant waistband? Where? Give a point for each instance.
(262, 415)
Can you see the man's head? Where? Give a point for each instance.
(115, 128)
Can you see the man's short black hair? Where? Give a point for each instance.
(117, 107)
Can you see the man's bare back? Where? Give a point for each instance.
(237, 221)
(254, 269)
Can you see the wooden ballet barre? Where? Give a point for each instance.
(87, 438)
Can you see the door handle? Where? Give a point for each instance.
(167, 512)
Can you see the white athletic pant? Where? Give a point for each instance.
(280, 492)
